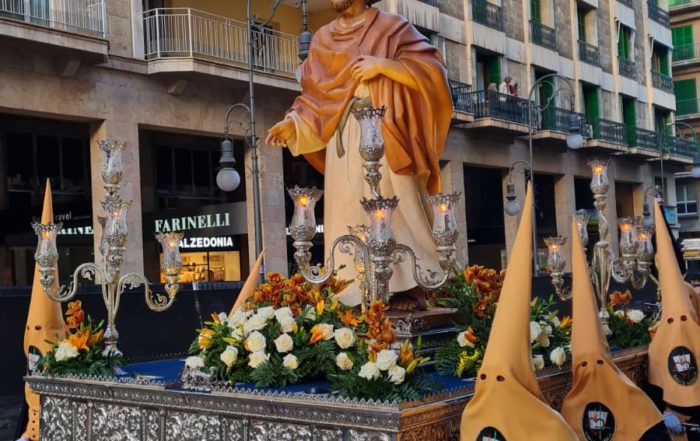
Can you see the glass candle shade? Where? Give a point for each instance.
(628, 239)
(444, 223)
(379, 211)
(46, 254)
(112, 171)
(582, 227)
(645, 248)
(371, 140)
(303, 226)
(116, 229)
(599, 180)
(103, 240)
(556, 260)
(172, 262)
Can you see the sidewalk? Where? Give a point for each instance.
(10, 406)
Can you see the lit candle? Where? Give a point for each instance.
(599, 180)
(379, 212)
(645, 250)
(46, 254)
(555, 259)
(303, 226)
(116, 228)
(444, 222)
(628, 240)
(172, 261)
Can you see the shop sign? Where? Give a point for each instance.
(206, 242)
(211, 221)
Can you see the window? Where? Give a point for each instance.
(591, 102)
(660, 59)
(683, 48)
(536, 11)
(623, 43)
(686, 97)
(686, 203)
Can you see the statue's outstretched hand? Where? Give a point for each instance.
(281, 134)
(367, 67)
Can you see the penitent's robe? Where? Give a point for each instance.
(414, 129)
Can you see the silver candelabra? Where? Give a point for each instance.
(112, 247)
(373, 247)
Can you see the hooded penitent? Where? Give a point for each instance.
(44, 322)
(507, 403)
(603, 403)
(250, 284)
(673, 364)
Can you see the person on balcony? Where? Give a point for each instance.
(367, 57)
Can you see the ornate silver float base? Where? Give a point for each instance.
(91, 410)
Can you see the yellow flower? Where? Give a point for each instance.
(320, 306)
(565, 322)
(205, 338)
(79, 340)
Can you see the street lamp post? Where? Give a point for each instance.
(574, 140)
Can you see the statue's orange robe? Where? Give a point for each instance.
(416, 122)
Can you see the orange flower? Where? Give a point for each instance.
(565, 322)
(205, 338)
(95, 338)
(625, 297)
(406, 353)
(348, 318)
(215, 318)
(316, 335)
(481, 307)
(73, 307)
(75, 314)
(79, 340)
(470, 336)
(615, 298)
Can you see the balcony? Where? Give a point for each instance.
(558, 119)
(642, 139)
(589, 53)
(69, 26)
(629, 3)
(543, 35)
(488, 14)
(608, 131)
(687, 108)
(679, 146)
(461, 97)
(683, 5)
(685, 55)
(494, 105)
(662, 81)
(190, 33)
(657, 14)
(628, 68)
(430, 2)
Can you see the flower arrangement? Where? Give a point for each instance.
(474, 292)
(293, 331)
(81, 352)
(628, 327)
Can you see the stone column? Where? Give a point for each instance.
(511, 222)
(453, 181)
(565, 207)
(128, 132)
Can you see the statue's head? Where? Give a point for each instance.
(341, 5)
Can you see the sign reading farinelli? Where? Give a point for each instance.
(193, 222)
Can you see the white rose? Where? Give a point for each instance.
(635, 315)
(555, 321)
(535, 331)
(543, 340)
(396, 374)
(327, 330)
(558, 356)
(255, 342)
(229, 356)
(287, 324)
(386, 359)
(538, 362)
(284, 343)
(66, 351)
(237, 333)
(344, 337)
(548, 330)
(255, 323)
(343, 362)
(462, 340)
(619, 314)
(194, 362)
(370, 371)
(267, 312)
(257, 358)
(238, 318)
(290, 362)
(284, 313)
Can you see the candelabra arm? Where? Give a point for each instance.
(63, 294)
(156, 301)
(345, 244)
(426, 279)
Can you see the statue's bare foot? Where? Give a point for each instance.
(408, 301)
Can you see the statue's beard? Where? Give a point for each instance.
(342, 5)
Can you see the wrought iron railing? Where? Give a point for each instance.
(643, 139)
(543, 35)
(678, 146)
(662, 81)
(629, 3)
(461, 97)
(430, 2)
(687, 106)
(556, 118)
(657, 14)
(87, 17)
(609, 131)
(186, 32)
(490, 104)
(686, 52)
(628, 68)
(589, 53)
(488, 14)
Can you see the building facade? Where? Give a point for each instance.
(160, 75)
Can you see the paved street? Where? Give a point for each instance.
(10, 406)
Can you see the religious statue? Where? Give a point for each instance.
(368, 57)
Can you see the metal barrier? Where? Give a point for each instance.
(461, 98)
(657, 14)
(87, 17)
(543, 35)
(490, 104)
(186, 32)
(686, 52)
(628, 68)
(687, 107)
(488, 14)
(589, 53)
(662, 81)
